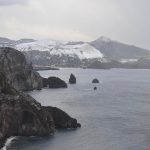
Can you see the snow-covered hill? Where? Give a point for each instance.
(62, 48)
(75, 54)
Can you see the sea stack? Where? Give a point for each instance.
(72, 79)
(95, 81)
(55, 82)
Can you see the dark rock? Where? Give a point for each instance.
(5, 88)
(95, 88)
(62, 119)
(95, 81)
(19, 74)
(3, 80)
(20, 114)
(55, 82)
(72, 79)
(45, 82)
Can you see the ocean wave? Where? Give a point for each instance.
(8, 143)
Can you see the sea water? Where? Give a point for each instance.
(116, 116)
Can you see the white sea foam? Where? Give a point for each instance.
(8, 142)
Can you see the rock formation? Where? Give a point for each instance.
(55, 82)
(95, 88)
(62, 119)
(20, 114)
(95, 81)
(72, 79)
(17, 71)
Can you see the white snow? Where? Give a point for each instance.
(82, 51)
(128, 60)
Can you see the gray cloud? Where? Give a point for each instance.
(123, 20)
(13, 2)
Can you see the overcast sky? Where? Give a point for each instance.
(124, 20)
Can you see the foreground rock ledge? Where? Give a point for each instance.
(22, 115)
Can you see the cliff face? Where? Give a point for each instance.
(17, 71)
(20, 114)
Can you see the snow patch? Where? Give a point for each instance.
(128, 60)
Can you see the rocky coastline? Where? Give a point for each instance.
(20, 114)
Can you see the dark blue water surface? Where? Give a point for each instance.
(115, 117)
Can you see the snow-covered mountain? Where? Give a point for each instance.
(62, 48)
(54, 52)
(59, 53)
(101, 53)
(117, 51)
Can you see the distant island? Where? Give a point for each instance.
(102, 53)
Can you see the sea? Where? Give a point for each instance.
(116, 116)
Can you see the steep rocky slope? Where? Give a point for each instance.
(116, 50)
(20, 114)
(18, 72)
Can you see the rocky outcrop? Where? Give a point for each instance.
(18, 72)
(55, 82)
(95, 88)
(62, 119)
(95, 81)
(72, 79)
(22, 115)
